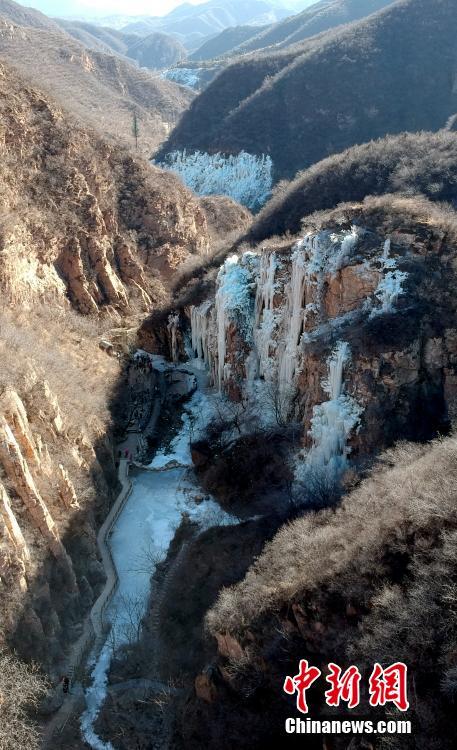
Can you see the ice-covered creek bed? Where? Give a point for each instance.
(141, 537)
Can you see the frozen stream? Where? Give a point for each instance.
(140, 539)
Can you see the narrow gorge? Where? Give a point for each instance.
(228, 387)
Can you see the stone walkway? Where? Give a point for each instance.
(146, 393)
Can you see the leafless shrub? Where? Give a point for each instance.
(21, 689)
(147, 558)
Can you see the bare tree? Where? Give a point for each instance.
(147, 559)
(279, 399)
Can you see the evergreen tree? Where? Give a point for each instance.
(135, 128)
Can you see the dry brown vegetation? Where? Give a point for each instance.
(373, 580)
(411, 164)
(21, 689)
(101, 90)
(66, 192)
(226, 218)
(62, 347)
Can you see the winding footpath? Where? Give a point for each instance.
(94, 631)
(136, 536)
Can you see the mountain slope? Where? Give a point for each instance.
(23, 16)
(227, 41)
(100, 90)
(74, 203)
(343, 87)
(85, 228)
(98, 37)
(156, 51)
(320, 17)
(410, 163)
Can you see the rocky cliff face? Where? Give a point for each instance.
(85, 228)
(81, 217)
(56, 477)
(353, 325)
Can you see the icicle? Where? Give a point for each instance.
(173, 325)
(294, 316)
(333, 420)
(200, 320)
(391, 285)
(265, 285)
(234, 303)
(334, 383)
(265, 318)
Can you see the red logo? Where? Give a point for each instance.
(345, 687)
(300, 684)
(387, 685)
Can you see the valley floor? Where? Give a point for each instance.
(161, 517)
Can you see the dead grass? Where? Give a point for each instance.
(60, 346)
(372, 581)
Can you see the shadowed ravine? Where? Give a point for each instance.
(139, 539)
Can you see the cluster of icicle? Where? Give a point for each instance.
(333, 420)
(391, 285)
(275, 332)
(278, 332)
(234, 301)
(247, 178)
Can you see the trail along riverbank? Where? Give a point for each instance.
(161, 493)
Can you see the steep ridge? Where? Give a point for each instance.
(157, 51)
(342, 87)
(411, 163)
(314, 20)
(98, 221)
(98, 37)
(101, 90)
(352, 326)
(86, 228)
(23, 16)
(154, 51)
(227, 41)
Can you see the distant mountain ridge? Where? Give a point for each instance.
(194, 24)
(329, 92)
(154, 51)
(321, 16)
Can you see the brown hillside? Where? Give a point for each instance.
(85, 228)
(343, 87)
(101, 90)
(22, 16)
